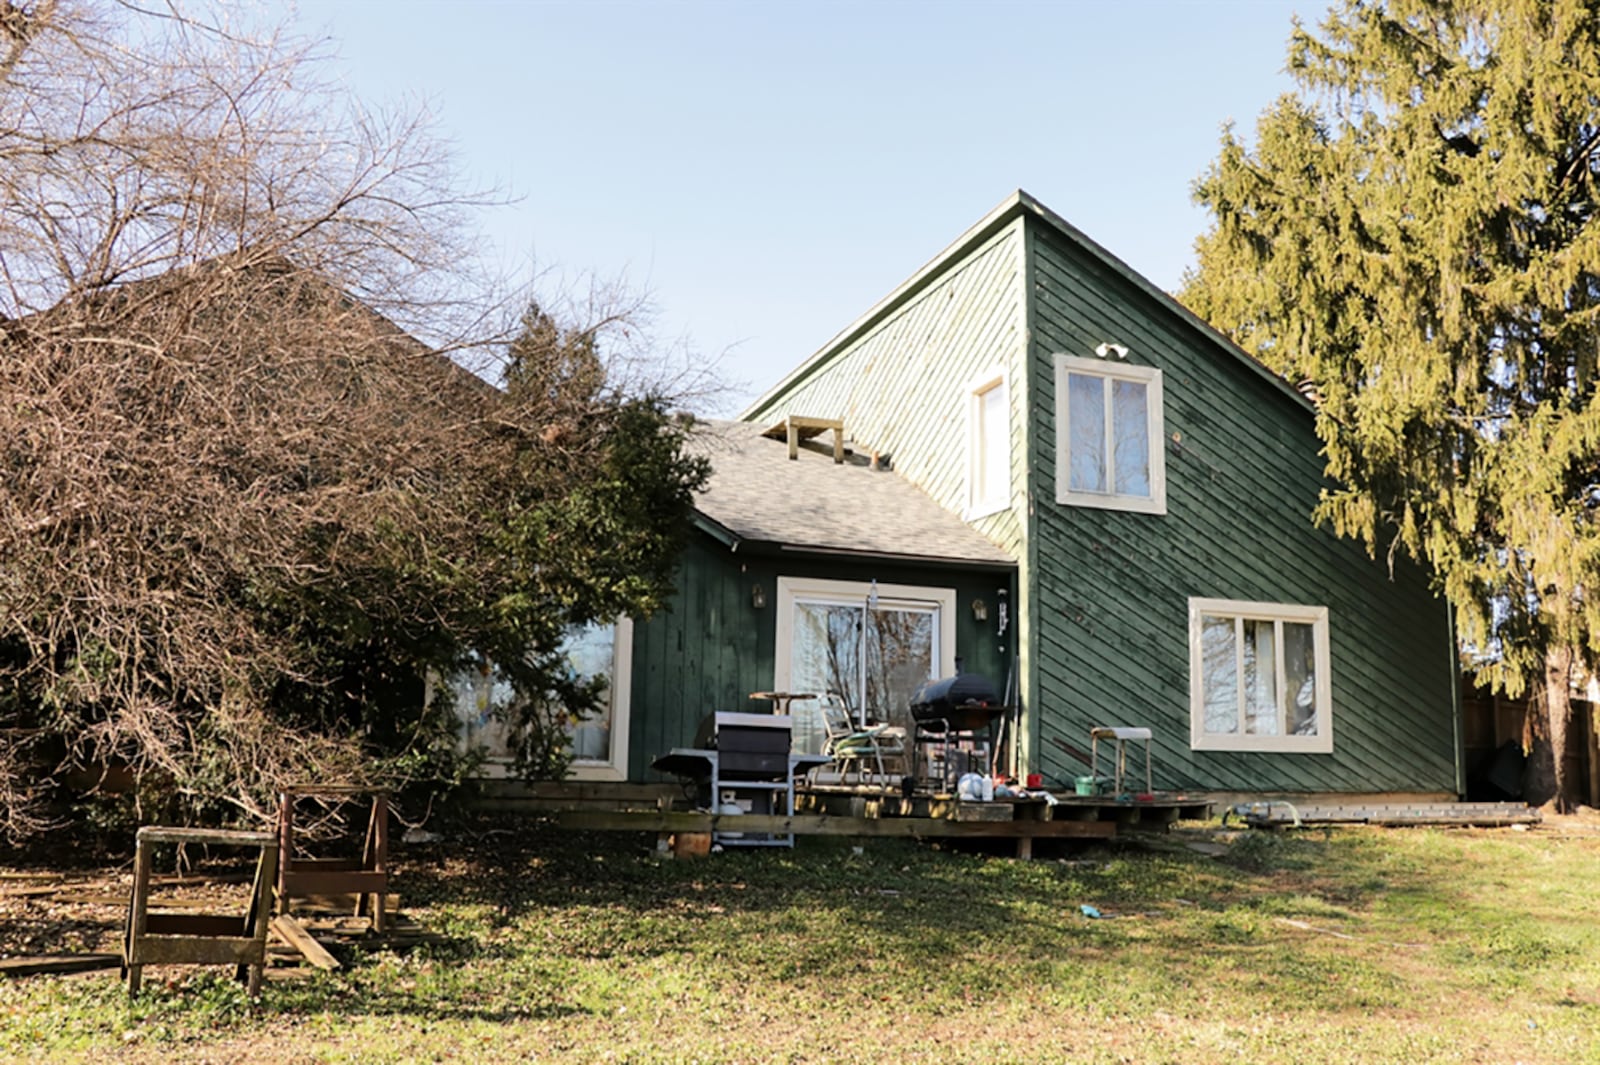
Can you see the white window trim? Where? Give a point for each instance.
(1317, 618)
(790, 588)
(496, 767)
(976, 390)
(616, 767)
(1150, 377)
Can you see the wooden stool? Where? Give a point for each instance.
(194, 938)
(367, 877)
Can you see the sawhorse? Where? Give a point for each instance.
(195, 938)
(367, 877)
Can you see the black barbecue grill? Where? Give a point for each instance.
(965, 702)
(741, 762)
(948, 714)
(749, 746)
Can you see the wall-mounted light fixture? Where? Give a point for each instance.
(758, 597)
(1108, 348)
(980, 610)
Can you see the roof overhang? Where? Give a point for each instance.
(737, 544)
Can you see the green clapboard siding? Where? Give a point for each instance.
(1107, 591)
(900, 380)
(711, 648)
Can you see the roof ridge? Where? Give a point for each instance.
(1016, 204)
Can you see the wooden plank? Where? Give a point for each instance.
(296, 883)
(194, 924)
(823, 825)
(43, 965)
(137, 913)
(37, 893)
(289, 930)
(205, 836)
(338, 903)
(327, 865)
(577, 792)
(195, 950)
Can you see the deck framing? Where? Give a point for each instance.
(863, 813)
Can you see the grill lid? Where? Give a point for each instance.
(965, 701)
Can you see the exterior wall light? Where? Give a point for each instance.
(758, 597)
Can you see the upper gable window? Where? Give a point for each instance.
(1108, 436)
(988, 447)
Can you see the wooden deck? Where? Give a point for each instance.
(865, 813)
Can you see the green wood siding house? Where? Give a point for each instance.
(1147, 488)
(1061, 477)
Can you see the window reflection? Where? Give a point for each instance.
(483, 699)
(874, 659)
(1086, 421)
(1130, 421)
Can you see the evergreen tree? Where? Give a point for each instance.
(1413, 237)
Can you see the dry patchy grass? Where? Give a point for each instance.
(1353, 945)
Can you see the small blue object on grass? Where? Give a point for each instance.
(1089, 911)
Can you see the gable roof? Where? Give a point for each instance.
(757, 495)
(1019, 204)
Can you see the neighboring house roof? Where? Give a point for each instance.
(757, 495)
(1018, 203)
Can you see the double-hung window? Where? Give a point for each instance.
(988, 446)
(1108, 436)
(1259, 677)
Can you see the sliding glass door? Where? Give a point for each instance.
(872, 645)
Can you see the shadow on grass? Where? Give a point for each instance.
(543, 924)
(823, 906)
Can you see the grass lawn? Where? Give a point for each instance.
(1358, 945)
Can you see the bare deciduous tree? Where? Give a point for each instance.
(241, 507)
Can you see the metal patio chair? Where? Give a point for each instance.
(854, 747)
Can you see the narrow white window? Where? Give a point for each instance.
(1259, 677)
(988, 447)
(1108, 436)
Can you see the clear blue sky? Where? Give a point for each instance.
(768, 171)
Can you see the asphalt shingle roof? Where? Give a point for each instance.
(758, 494)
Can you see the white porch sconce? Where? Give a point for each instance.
(980, 610)
(1108, 348)
(758, 597)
